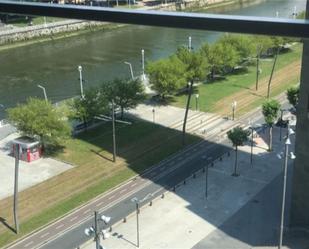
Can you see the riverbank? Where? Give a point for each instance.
(23, 36)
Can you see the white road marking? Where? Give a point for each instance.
(88, 210)
(134, 184)
(44, 235)
(61, 225)
(111, 197)
(97, 205)
(28, 244)
(74, 218)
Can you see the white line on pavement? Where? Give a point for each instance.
(99, 204)
(134, 184)
(88, 210)
(44, 235)
(111, 197)
(123, 190)
(74, 218)
(61, 225)
(28, 244)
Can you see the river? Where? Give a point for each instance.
(102, 54)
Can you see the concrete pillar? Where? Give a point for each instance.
(300, 192)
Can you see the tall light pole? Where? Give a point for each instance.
(114, 135)
(80, 69)
(257, 67)
(96, 231)
(143, 64)
(131, 70)
(15, 207)
(196, 102)
(286, 156)
(234, 105)
(44, 91)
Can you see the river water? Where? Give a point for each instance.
(102, 54)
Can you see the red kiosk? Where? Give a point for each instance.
(30, 149)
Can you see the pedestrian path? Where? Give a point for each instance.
(235, 206)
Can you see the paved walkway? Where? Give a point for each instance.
(240, 212)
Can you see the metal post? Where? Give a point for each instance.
(44, 92)
(190, 43)
(186, 113)
(272, 72)
(251, 157)
(153, 115)
(114, 135)
(131, 70)
(96, 230)
(17, 148)
(143, 63)
(206, 182)
(80, 69)
(137, 223)
(283, 195)
(257, 69)
(280, 134)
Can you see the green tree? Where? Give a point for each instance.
(38, 118)
(270, 111)
(238, 137)
(221, 57)
(86, 109)
(196, 68)
(292, 94)
(125, 93)
(166, 75)
(243, 44)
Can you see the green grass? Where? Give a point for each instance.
(35, 21)
(140, 146)
(210, 93)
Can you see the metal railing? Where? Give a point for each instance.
(211, 22)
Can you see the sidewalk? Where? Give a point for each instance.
(240, 212)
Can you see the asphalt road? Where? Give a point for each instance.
(68, 232)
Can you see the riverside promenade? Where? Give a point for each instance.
(239, 213)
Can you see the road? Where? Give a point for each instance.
(68, 232)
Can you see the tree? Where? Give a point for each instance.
(86, 109)
(238, 137)
(166, 75)
(292, 94)
(270, 111)
(243, 44)
(38, 118)
(125, 93)
(221, 56)
(196, 68)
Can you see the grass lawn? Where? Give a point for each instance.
(139, 146)
(211, 93)
(35, 21)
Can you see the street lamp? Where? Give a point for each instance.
(80, 69)
(44, 91)
(286, 156)
(252, 128)
(281, 122)
(137, 203)
(153, 114)
(196, 102)
(143, 64)
(234, 104)
(131, 70)
(94, 231)
(190, 43)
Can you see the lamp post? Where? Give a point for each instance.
(281, 121)
(286, 156)
(131, 70)
(114, 132)
(252, 128)
(80, 69)
(234, 104)
(143, 64)
(15, 205)
(95, 230)
(196, 102)
(153, 115)
(44, 92)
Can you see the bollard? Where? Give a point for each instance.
(212, 164)
(124, 220)
(174, 189)
(184, 182)
(194, 176)
(203, 170)
(150, 203)
(162, 196)
(110, 229)
(228, 154)
(220, 159)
